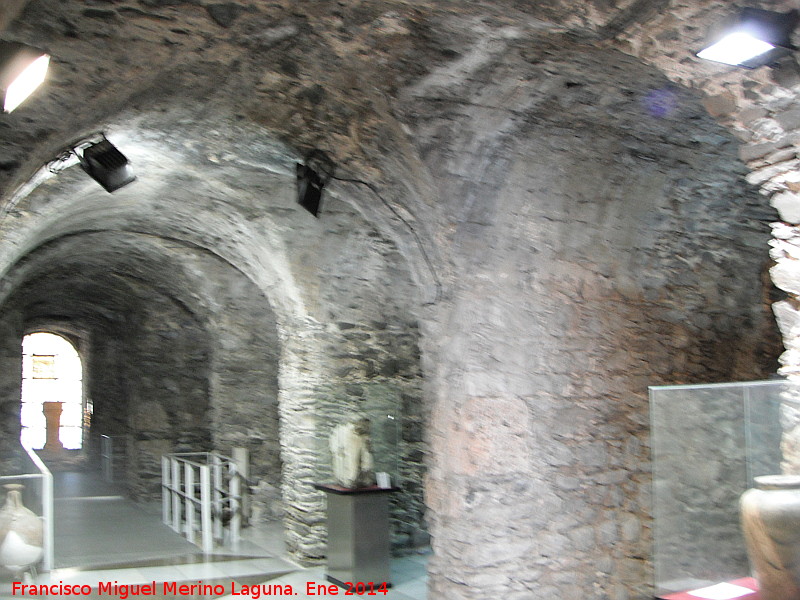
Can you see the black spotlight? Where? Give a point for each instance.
(311, 178)
(106, 165)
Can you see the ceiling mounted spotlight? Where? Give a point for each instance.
(753, 38)
(22, 70)
(311, 178)
(105, 164)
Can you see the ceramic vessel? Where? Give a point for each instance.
(770, 515)
(21, 532)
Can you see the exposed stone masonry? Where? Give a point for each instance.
(762, 108)
(599, 290)
(548, 226)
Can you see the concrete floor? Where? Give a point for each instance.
(101, 537)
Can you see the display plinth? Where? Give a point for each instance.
(359, 546)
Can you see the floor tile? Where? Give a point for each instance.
(106, 538)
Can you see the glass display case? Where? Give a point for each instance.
(358, 453)
(384, 437)
(709, 442)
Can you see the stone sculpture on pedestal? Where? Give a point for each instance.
(351, 453)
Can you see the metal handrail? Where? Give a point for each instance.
(217, 480)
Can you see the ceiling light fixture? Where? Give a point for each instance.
(753, 38)
(22, 70)
(311, 178)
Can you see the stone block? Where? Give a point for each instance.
(631, 528)
(780, 156)
(783, 231)
(788, 206)
(786, 276)
(790, 363)
(720, 105)
(786, 73)
(772, 172)
(582, 538)
(788, 318)
(751, 152)
(789, 119)
(748, 115)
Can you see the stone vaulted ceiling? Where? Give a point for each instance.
(314, 73)
(329, 75)
(510, 220)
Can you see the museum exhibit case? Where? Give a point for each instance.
(359, 472)
(711, 444)
(359, 450)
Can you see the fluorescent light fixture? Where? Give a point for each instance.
(22, 70)
(736, 48)
(752, 38)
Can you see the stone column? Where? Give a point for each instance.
(52, 414)
(302, 378)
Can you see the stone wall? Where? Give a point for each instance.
(164, 368)
(10, 382)
(357, 353)
(584, 223)
(617, 250)
(761, 107)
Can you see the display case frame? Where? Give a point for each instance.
(385, 446)
(708, 443)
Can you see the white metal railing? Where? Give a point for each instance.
(110, 454)
(201, 494)
(39, 474)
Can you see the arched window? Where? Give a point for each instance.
(51, 372)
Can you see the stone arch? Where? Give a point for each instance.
(534, 338)
(585, 216)
(319, 314)
(63, 375)
(760, 107)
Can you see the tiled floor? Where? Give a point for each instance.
(102, 538)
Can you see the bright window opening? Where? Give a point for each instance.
(51, 372)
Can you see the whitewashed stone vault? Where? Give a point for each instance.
(542, 208)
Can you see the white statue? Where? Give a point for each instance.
(352, 453)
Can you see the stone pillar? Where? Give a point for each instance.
(52, 414)
(302, 377)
